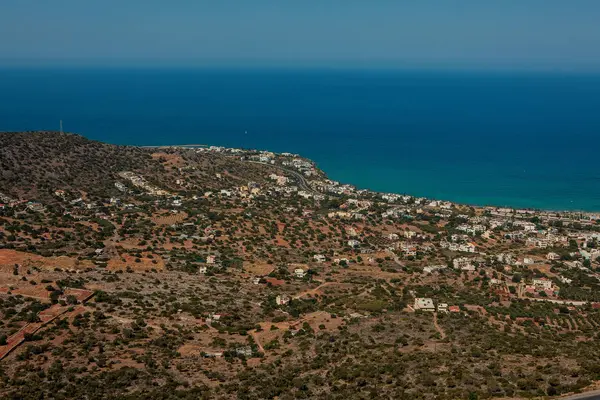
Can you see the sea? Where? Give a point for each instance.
(520, 139)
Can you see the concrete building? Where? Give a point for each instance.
(463, 263)
(424, 303)
(542, 284)
(282, 299)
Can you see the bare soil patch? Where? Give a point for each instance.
(12, 257)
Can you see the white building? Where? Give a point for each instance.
(353, 243)
(424, 303)
(300, 273)
(463, 263)
(432, 268)
(410, 251)
(409, 234)
(536, 242)
(282, 299)
(319, 258)
(542, 284)
(506, 258)
(467, 247)
(565, 280)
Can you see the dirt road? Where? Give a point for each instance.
(438, 327)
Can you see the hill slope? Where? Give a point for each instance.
(34, 164)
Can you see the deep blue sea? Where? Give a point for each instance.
(518, 139)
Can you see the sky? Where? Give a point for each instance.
(513, 34)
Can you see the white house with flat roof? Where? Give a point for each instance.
(319, 258)
(543, 284)
(424, 303)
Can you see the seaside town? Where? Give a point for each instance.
(212, 272)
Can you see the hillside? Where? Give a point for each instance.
(215, 273)
(35, 164)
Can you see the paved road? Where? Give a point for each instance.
(302, 182)
(592, 395)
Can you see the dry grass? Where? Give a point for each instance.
(12, 257)
(144, 264)
(259, 269)
(169, 219)
(174, 160)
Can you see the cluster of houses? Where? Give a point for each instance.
(281, 180)
(472, 229)
(545, 242)
(250, 190)
(140, 182)
(396, 212)
(8, 202)
(310, 195)
(304, 166)
(468, 247)
(339, 214)
(337, 188)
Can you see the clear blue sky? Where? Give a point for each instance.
(519, 34)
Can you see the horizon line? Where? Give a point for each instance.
(309, 67)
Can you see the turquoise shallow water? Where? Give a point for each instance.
(517, 139)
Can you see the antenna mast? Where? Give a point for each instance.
(61, 130)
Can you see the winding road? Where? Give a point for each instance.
(302, 182)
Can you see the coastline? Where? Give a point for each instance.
(530, 141)
(589, 213)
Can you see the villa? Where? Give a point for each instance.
(424, 304)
